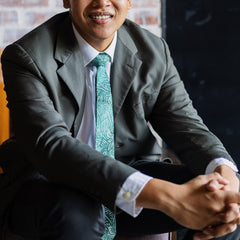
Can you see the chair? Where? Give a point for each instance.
(4, 113)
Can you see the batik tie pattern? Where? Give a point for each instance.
(104, 142)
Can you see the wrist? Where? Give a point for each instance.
(159, 195)
(225, 170)
(230, 175)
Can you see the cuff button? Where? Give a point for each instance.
(127, 195)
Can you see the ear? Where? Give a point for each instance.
(66, 4)
(129, 4)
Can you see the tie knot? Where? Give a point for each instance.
(100, 60)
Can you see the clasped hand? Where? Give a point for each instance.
(229, 217)
(206, 203)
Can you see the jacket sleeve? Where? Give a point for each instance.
(178, 123)
(45, 138)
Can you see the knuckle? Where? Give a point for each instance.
(231, 228)
(214, 209)
(200, 177)
(216, 175)
(235, 212)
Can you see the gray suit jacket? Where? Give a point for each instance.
(45, 85)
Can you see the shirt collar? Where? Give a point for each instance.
(88, 52)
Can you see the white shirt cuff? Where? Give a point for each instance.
(218, 162)
(131, 188)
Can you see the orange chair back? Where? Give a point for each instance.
(4, 112)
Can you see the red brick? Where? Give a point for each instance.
(10, 3)
(8, 17)
(147, 18)
(23, 3)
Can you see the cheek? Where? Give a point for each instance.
(77, 16)
(122, 16)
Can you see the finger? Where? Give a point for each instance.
(218, 231)
(223, 181)
(238, 221)
(216, 176)
(231, 214)
(214, 185)
(219, 177)
(202, 236)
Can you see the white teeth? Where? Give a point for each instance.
(101, 17)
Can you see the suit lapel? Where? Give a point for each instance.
(126, 65)
(71, 70)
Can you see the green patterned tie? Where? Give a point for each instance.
(104, 127)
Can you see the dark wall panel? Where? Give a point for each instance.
(204, 38)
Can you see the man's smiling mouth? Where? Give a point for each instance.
(100, 16)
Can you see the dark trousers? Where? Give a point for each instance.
(48, 211)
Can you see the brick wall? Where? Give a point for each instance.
(17, 17)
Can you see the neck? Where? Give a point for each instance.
(100, 45)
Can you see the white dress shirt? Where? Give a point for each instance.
(126, 198)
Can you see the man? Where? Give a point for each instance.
(50, 83)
